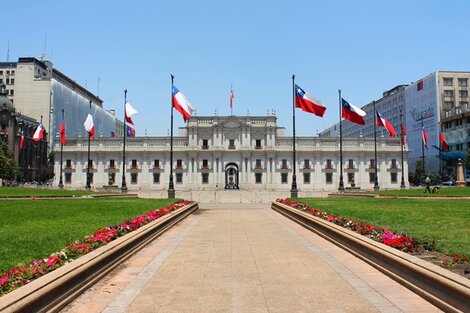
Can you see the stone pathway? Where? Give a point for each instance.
(245, 258)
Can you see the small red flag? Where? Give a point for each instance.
(62, 133)
(232, 96)
(425, 138)
(444, 145)
(21, 140)
(403, 134)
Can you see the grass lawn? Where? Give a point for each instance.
(446, 223)
(33, 229)
(443, 192)
(19, 192)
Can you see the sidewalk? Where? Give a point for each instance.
(245, 258)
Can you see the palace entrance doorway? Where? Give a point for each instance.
(231, 176)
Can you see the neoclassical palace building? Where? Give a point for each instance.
(226, 153)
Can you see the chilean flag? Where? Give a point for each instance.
(232, 96)
(425, 138)
(403, 134)
(130, 131)
(308, 103)
(444, 145)
(181, 104)
(385, 123)
(21, 140)
(38, 134)
(129, 111)
(89, 126)
(352, 112)
(62, 132)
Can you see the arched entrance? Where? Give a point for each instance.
(231, 176)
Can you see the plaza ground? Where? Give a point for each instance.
(245, 258)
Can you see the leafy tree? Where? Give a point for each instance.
(8, 167)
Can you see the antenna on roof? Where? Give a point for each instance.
(45, 44)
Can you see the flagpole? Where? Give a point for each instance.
(402, 185)
(61, 182)
(171, 186)
(87, 186)
(231, 100)
(40, 153)
(422, 144)
(376, 178)
(294, 191)
(341, 182)
(124, 185)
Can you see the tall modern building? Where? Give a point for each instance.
(438, 103)
(37, 89)
(389, 106)
(227, 153)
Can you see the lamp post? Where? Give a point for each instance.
(402, 141)
(341, 181)
(124, 185)
(87, 186)
(171, 186)
(376, 178)
(294, 191)
(61, 182)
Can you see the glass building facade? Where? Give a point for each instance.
(76, 106)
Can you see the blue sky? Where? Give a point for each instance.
(361, 47)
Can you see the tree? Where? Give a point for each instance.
(8, 167)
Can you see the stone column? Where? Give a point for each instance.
(460, 174)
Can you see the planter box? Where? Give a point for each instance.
(56, 289)
(446, 290)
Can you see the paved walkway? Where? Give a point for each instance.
(245, 258)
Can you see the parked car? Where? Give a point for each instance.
(449, 182)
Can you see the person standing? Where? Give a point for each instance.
(427, 182)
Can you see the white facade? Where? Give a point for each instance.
(218, 153)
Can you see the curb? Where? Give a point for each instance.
(446, 290)
(53, 291)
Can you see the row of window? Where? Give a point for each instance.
(449, 81)
(8, 72)
(8, 81)
(231, 144)
(258, 178)
(450, 93)
(258, 164)
(9, 92)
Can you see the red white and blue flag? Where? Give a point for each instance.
(352, 112)
(129, 111)
(425, 138)
(443, 140)
(89, 126)
(308, 103)
(21, 140)
(385, 123)
(181, 104)
(130, 131)
(38, 134)
(62, 132)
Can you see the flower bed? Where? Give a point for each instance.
(381, 234)
(19, 276)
